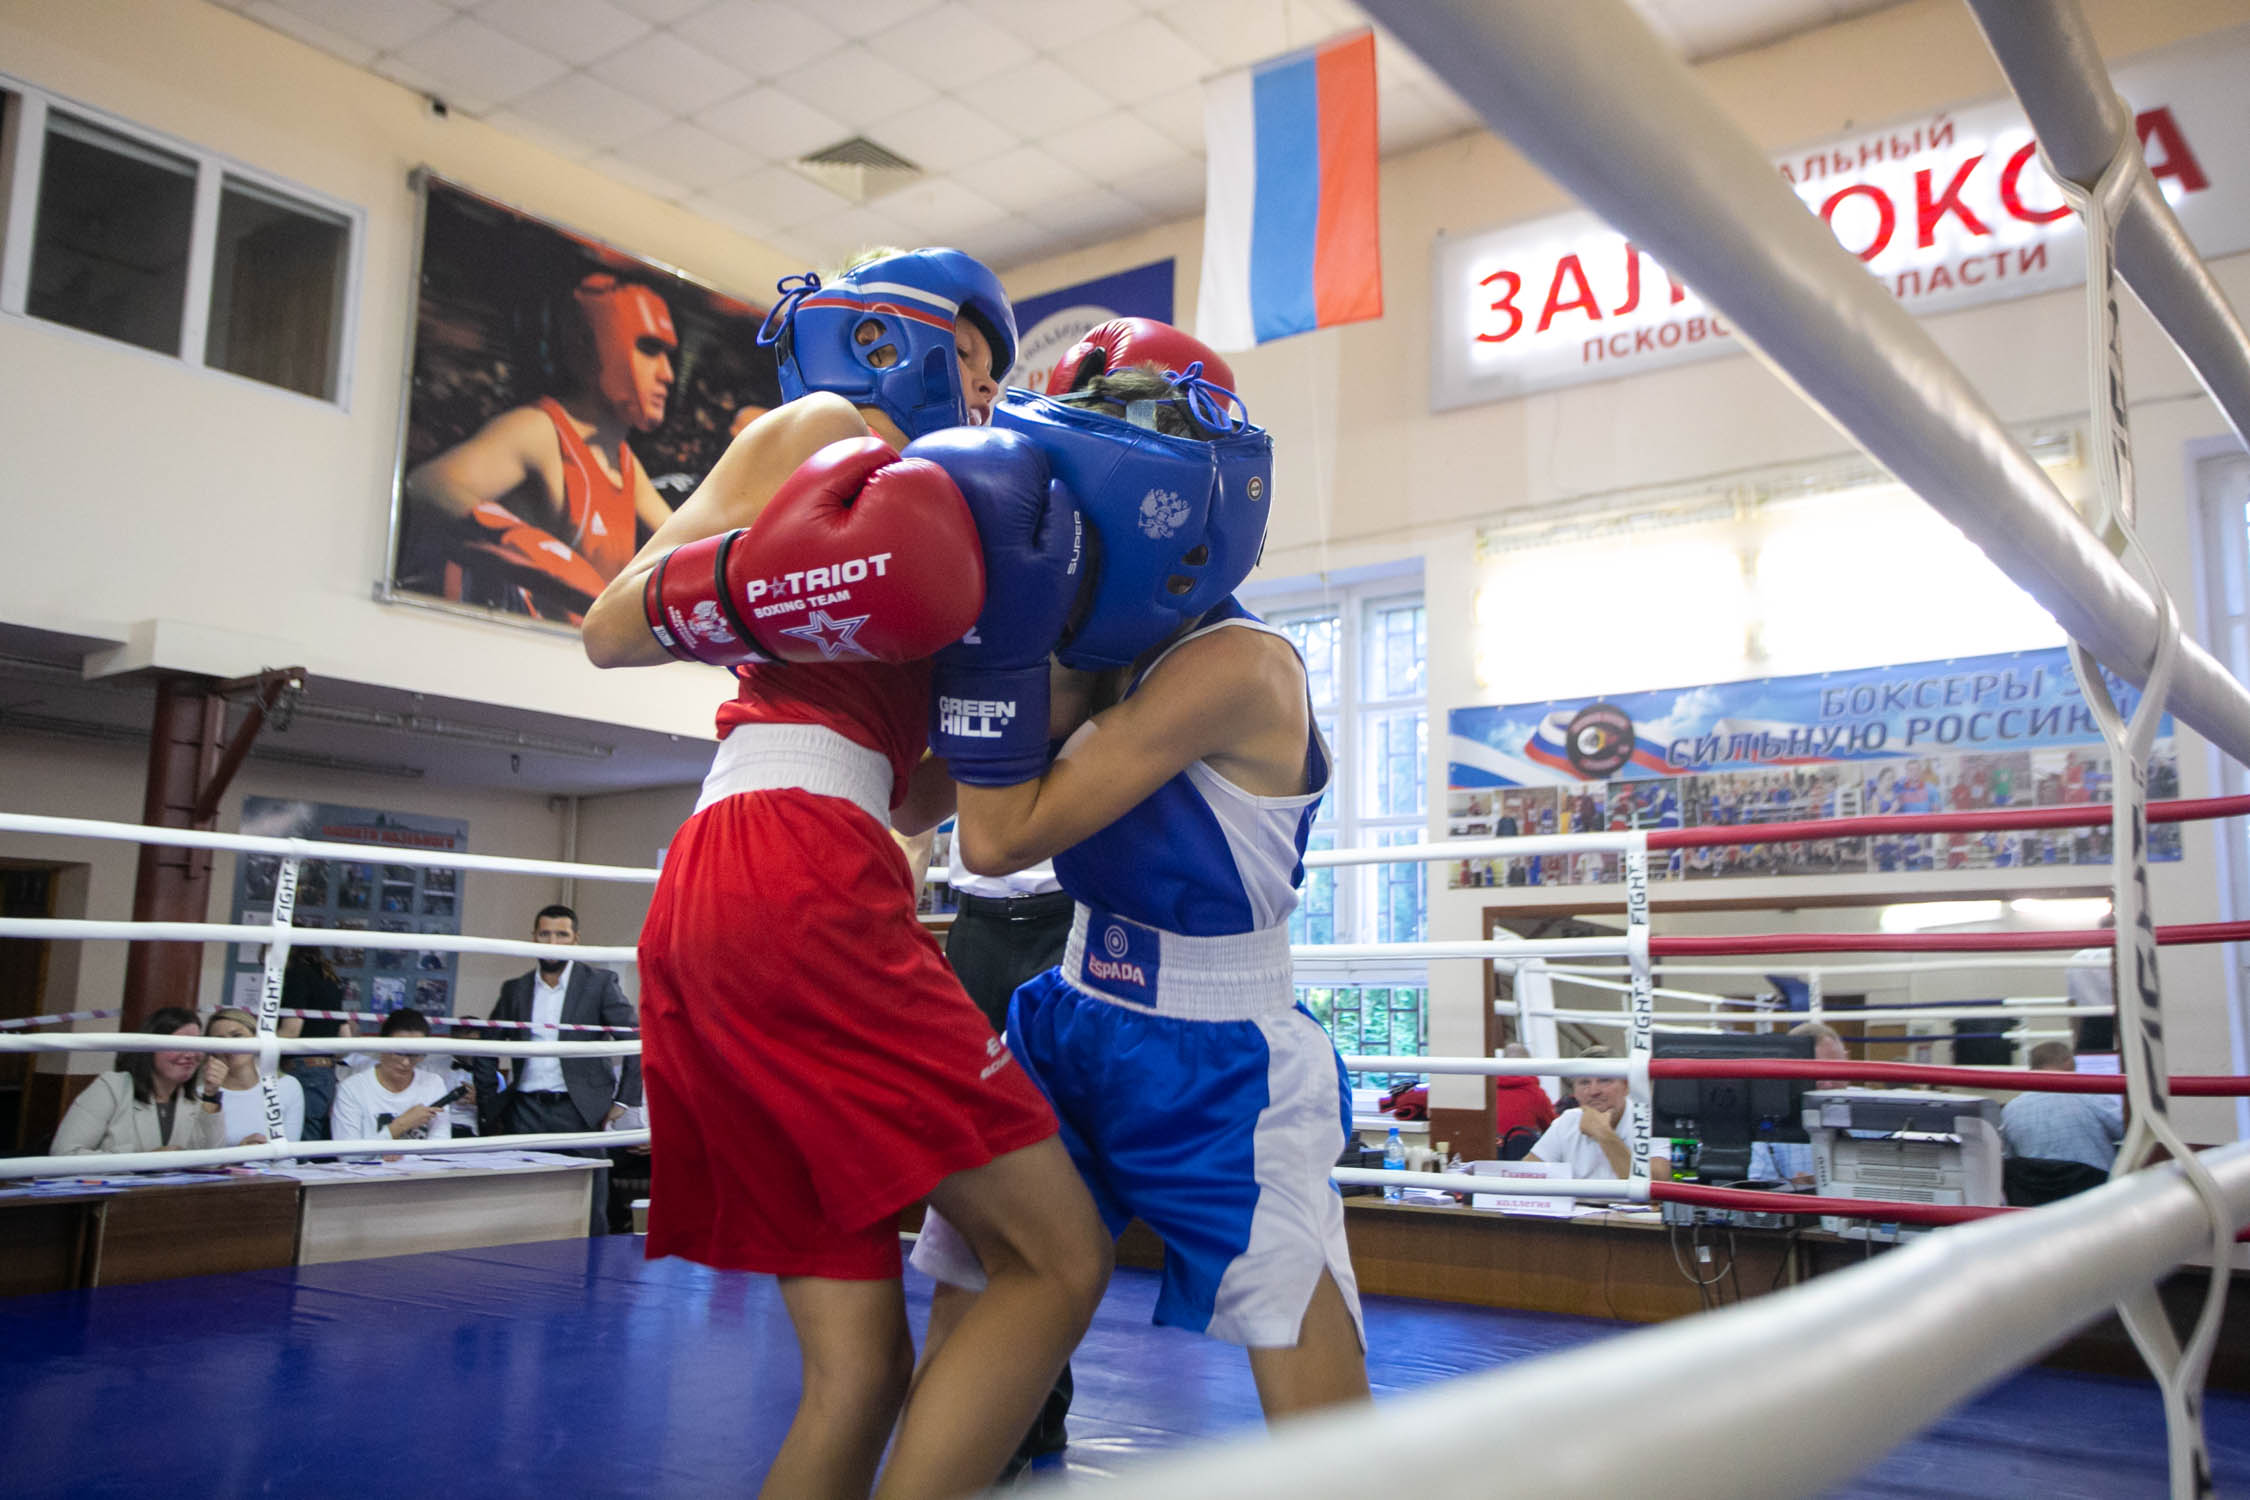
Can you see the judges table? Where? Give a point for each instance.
(110, 1232)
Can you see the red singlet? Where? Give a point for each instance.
(597, 509)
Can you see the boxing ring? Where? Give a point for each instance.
(1588, 94)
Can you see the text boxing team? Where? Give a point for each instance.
(940, 595)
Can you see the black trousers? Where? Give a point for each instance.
(995, 945)
(542, 1114)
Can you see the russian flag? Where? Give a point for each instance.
(1290, 237)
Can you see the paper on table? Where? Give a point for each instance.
(1549, 1208)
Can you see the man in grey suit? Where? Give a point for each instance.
(546, 1094)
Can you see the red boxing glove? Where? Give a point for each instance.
(860, 556)
(1123, 342)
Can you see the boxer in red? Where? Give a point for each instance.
(812, 1065)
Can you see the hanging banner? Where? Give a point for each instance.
(1947, 211)
(1047, 325)
(565, 396)
(1981, 732)
(350, 896)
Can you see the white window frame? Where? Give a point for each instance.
(1354, 604)
(22, 158)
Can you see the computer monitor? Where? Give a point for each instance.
(1727, 1116)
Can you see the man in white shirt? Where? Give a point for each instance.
(395, 1098)
(560, 1095)
(1585, 1139)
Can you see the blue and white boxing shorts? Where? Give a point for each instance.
(1196, 1095)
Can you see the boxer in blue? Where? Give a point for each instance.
(1194, 1092)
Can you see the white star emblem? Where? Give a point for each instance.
(834, 637)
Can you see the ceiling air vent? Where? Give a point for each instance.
(858, 169)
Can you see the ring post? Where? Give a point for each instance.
(269, 993)
(1642, 1004)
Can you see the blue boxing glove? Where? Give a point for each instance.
(989, 689)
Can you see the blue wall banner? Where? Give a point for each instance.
(1047, 325)
(1993, 731)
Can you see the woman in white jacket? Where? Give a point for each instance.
(151, 1103)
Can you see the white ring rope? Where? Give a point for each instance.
(79, 929)
(358, 854)
(311, 1046)
(95, 1164)
(1791, 1017)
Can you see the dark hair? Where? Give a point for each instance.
(165, 1020)
(407, 1020)
(1114, 391)
(556, 910)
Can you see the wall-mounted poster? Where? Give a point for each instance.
(1047, 325)
(1954, 736)
(348, 896)
(565, 397)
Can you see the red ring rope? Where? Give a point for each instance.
(2210, 1085)
(1880, 1211)
(1985, 820)
(1934, 942)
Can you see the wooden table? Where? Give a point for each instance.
(461, 1209)
(120, 1236)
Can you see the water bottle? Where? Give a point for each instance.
(1394, 1160)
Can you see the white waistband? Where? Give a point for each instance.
(1231, 978)
(806, 757)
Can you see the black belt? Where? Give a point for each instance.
(542, 1093)
(1036, 908)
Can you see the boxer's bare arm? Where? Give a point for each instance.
(928, 801)
(1235, 698)
(498, 459)
(766, 452)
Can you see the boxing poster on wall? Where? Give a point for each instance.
(348, 896)
(564, 398)
(1980, 732)
(1047, 325)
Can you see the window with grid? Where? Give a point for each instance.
(1366, 652)
(121, 233)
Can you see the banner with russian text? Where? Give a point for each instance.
(1995, 731)
(1048, 324)
(1947, 211)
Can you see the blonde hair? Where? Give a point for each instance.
(235, 1014)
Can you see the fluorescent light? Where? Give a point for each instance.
(2063, 911)
(1921, 916)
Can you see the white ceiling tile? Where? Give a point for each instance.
(773, 125)
(1088, 217)
(864, 18)
(1113, 145)
(857, 87)
(1013, 242)
(1143, 57)
(1167, 193)
(1232, 33)
(582, 107)
(1177, 115)
(538, 133)
(577, 31)
(839, 237)
(474, 62)
(1046, 93)
(732, 217)
(311, 33)
(383, 27)
(763, 39)
(939, 210)
(1023, 180)
(778, 196)
(670, 74)
(686, 153)
(951, 46)
(1044, 24)
(633, 174)
(943, 134)
(665, 12)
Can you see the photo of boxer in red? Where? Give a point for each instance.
(812, 1065)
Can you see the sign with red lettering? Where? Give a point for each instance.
(1947, 212)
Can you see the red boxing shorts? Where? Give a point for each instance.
(811, 1064)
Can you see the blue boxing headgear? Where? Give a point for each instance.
(1179, 521)
(881, 335)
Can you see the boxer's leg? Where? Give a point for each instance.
(858, 1357)
(1046, 1259)
(1325, 1367)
